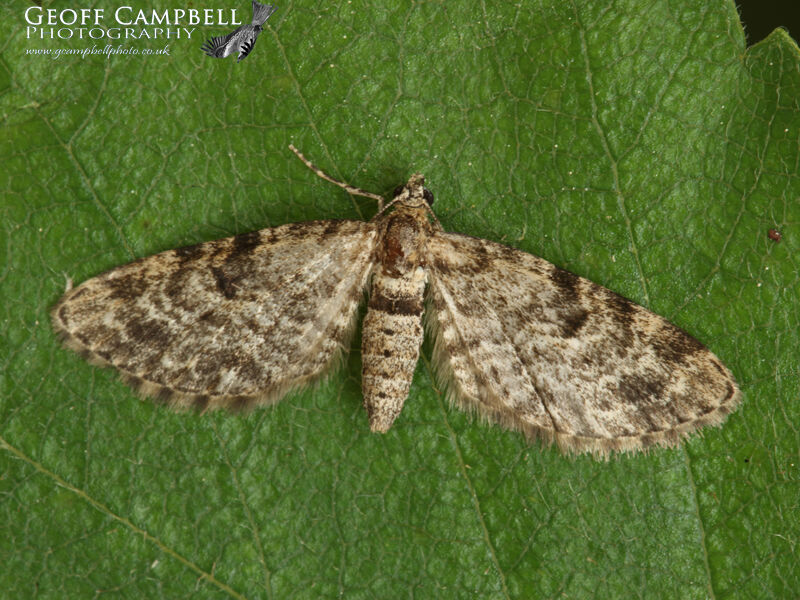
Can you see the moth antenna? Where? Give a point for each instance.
(435, 218)
(350, 189)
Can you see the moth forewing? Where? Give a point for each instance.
(229, 323)
(538, 349)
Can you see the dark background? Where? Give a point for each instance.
(760, 17)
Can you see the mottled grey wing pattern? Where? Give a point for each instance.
(541, 350)
(230, 322)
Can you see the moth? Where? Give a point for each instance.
(521, 342)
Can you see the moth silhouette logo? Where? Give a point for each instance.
(242, 39)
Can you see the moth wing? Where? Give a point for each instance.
(539, 349)
(216, 47)
(226, 323)
(246, 47)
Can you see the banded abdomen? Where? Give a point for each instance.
(392, 331)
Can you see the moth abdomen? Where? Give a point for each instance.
(390, 342)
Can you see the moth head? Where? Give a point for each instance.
(413, 193)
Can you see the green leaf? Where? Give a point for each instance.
(642, 146)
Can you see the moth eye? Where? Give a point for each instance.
(427, 195)
(398, 190)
